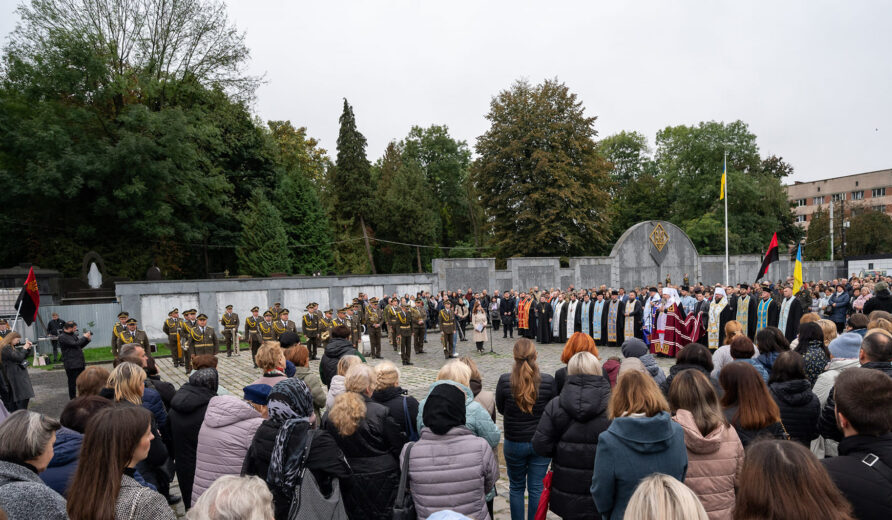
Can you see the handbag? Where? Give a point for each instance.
(404, 507)
(308, 502)
(542, 509)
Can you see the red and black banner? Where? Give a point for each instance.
(29, 299)
(770, 256)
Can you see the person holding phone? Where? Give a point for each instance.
(73, 354)
(15, 368)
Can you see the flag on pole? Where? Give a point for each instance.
(29, 299)
(797, 270)
(770, 256)
(722, 188)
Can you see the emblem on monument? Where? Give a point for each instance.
(659, 238)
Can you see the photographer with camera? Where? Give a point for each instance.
(15, 370)
(73, 354)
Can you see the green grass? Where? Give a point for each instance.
(100, 355)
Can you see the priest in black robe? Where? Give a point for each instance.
(767, 310)
(543, 321)
(605, 319)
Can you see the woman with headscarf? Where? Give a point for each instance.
(187, 409)
(275, 452)
(462, 484)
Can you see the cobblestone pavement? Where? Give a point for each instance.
(236, 372)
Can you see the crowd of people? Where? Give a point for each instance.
(756, 424)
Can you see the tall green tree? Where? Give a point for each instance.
(538, 174)
(411, 219)
(869, 233)
(263, 245)
(351, 180)
(817, 239)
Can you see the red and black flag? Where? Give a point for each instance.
(770, 256)
(29, 299)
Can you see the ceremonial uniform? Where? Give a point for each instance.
(404, 324)
(203, 340)
(230, 322)
(136, 336)
(116, 333)
(252, 332)
(283, 325)
(373, 317)
(418, 315)
(267, 328)
(326, 323)
(275, 310)
(310, 325)
(391, 312)
(173, 327)
(340, 321)
(447, 330)
(356, 324)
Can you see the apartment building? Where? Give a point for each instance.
(850, 192)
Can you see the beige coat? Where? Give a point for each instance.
(478, 319)
(713, 463)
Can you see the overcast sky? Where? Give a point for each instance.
(813, 79)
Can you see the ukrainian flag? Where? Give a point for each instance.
(797, 270)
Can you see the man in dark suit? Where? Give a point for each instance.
(73, 354)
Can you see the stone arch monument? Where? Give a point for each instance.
(650, 251)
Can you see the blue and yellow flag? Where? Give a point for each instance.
(797, 270)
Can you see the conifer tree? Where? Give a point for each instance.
(306, 225)
(263, 246)
(409, 216)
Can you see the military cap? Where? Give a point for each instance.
(228, 307)
(357, 303)
(190, 311)
(447, 302)
(355, 300)
(310, 306)
(202, 316)
(284, 311)
(344, 310)
(419, 300)
(3, 322)
(373, 300)
(277, 304)
(131, 321)
(329, 311)
(123, 314)
(171, 313)
(255, 309)
(405, 303)
(267, 313)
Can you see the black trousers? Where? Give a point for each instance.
(55, 343)
(495, 324)
(72, 374)
(508, 324)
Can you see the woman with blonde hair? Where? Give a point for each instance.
(661, 497)
(809, 317)
(336, 387)
(91, 381)
(521, 397)
(722, 356)
(642, 439)
(271, 359)
(486, 398)
(479, 321)
(578, 342)
(403, 407)
(829, 329)
(371, 442)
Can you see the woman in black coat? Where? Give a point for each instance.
(291, 414)
(568, 434)
(371, 441)
(15, 371)
(799, 406)
(187, 409)
(391, 394)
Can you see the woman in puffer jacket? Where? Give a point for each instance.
(715, 452)
(187, 410)
(450, 467)
(799, 407)
(568, 434)
(223, 441)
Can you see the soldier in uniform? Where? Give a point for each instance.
(283, 324)
(447, 328)
(173, 327)
(230, 322)
(203, 340)
(326, 323)
(190, 321)
(404, 323)
(4, 328)
(310, 327)
(341, 319)
(276, 309)
(267, 328)
(372, 320)
(390, 313)
(252, 331)
(419, 313)
(133, 335)
(119, 327)
(355, 315)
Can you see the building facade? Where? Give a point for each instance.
(848, 193)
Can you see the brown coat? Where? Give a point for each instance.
(713, 463)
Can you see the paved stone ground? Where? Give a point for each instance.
(237, 372)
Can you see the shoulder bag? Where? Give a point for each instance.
(308, 502)
(404, 507)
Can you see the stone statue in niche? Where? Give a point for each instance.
(94, 277)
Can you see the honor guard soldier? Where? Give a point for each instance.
(173, 327)
(390, 313)
(252, 331)
(119, 327)
(267, 331)
(404, 325)
(447, 328)
(341, 319)
(283, 324)
(133, 335)
(203, 340)
(310, 325)
(275, 309)
(4, 328)
(190, 322)
(372, 320)
(418, 314)
(326, 323)
(355, 315)
(230, 323)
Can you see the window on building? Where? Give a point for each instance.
(858, 195)
(818, 200)
(878, 192)
(838, 197)
(801, 202)
(881, 209)
(800, 218)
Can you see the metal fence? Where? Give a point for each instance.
(98, 317)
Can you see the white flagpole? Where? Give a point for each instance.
(725, 173)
